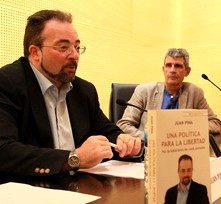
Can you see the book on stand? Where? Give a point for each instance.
(172, 133)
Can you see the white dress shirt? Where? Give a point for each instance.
(55, 101)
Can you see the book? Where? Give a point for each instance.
(215, 172)
(171, 134)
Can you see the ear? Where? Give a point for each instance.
(188, 69)
(35, 52)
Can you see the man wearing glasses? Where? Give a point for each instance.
(50, 119)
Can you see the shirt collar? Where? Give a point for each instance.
(45, 84)
(187, 187)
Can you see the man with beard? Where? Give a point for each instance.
(187, 191)
(50, 119)
(173, 93)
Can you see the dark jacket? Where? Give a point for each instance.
(197, 194)
(26, 141)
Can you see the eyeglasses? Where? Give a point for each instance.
(67, 50)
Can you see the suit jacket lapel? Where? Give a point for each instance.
(158, 97)
(78, 113)
(38, 108)
(183, 99)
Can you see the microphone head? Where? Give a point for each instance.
(205, 76)
(121, 102)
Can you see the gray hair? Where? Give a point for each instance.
(178, 52)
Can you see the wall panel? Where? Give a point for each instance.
(126, 40)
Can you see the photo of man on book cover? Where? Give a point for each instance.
(187, 190)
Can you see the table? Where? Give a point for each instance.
(111, 189)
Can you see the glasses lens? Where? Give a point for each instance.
(82, 49)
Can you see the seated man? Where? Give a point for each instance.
(50, 119)
(173, 93)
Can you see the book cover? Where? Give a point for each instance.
(215, 172)
(173, 134)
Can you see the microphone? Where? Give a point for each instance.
(122, 102)
(206, 78)
(211, 139)
(214, 146)
(125, 103)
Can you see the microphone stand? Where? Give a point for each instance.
(213, 144)
(204, 76)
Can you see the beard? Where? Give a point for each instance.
(62, 77)
(186, 181)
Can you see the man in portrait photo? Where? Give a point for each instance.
(186, 191)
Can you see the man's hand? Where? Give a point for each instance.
(128, 145)
(93, 151)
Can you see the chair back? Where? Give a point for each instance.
(119, 91)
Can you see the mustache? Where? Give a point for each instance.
(70, 64)
(172, 75)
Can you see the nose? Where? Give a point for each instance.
(172, 68)
(73, 53)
